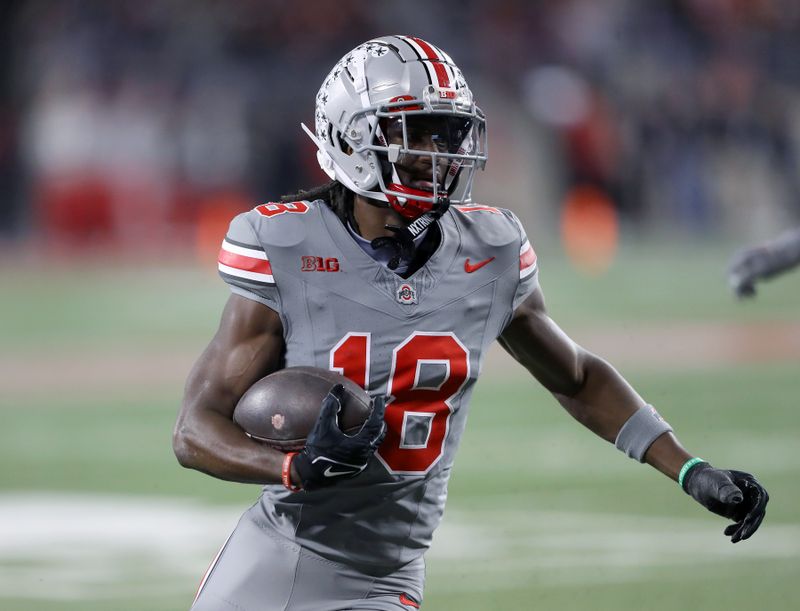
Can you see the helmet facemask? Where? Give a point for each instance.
(424, 157)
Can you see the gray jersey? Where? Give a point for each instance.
(420, 341)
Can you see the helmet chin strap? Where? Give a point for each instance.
(402, 242)
(421, 213)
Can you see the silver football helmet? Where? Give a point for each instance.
(400, 80)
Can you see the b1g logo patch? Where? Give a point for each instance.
(318, 264)
(406, 294)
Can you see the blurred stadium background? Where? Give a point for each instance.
(640, 142)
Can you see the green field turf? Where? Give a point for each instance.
(528, 486)
(542, 515)
(76, 306)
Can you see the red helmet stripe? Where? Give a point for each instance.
(450, 73)
(420, 54)
(429, 50)
(436, 60)
(441, 73)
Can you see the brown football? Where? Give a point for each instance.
(281, 408)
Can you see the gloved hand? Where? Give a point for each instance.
(746, 267)
(330, 455)
(731, 494)
(759, 263)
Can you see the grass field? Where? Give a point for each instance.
(95, 514)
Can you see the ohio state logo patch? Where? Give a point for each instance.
(406, 294)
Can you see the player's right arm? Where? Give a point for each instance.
(247, 346)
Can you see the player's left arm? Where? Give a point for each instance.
(596, 395)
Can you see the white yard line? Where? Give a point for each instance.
(66, 547)
(580, 548)
(76, 547)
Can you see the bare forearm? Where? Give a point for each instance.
(214, 444)
(588, 387)
(247, 347)
(596, 395)
(604, 403)
(667, 455)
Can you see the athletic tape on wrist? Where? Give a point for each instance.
(286, 472)
(640, 431)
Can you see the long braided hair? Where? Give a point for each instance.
(338, 198)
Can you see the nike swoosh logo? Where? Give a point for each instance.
(469, 268)
(329, 472)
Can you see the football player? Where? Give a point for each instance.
(391, 276)
(762, 262)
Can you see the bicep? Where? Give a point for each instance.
(539, 344)
(247, 346)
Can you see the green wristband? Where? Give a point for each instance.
(686, 468)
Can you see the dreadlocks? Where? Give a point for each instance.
(338, 198)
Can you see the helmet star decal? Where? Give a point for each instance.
(376, 50)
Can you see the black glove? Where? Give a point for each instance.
(731, 494)
(330, 455)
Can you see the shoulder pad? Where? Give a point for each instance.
(282, 223)
(493, 226)
(241, 232)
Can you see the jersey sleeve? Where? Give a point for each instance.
(244, 265)
(528, 268)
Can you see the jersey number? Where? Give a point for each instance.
(270, 210)
(418, 413)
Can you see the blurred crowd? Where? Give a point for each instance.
(152, 122)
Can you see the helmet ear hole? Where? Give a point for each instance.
(334, 137)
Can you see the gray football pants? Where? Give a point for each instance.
(259, 570)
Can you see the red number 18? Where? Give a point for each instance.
(411, 401)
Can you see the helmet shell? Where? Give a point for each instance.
(389, 76)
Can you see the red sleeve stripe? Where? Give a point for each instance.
(244, 263)
(527, 260)
(247, 264)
